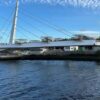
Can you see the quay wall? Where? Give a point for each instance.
(87, 57)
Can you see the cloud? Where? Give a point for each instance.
(6, 2)
(75, 3)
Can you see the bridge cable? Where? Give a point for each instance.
(34, 27)
(48, 24)
(6, 25)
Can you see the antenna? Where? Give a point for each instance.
(13, 30)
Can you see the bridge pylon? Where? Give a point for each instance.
(13, 30)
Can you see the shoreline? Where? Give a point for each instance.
(80, 57)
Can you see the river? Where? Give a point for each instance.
(49, 80)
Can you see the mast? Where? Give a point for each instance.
(13, 30)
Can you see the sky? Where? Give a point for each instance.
(39, 18)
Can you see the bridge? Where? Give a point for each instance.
(50, 44)
(13, 45)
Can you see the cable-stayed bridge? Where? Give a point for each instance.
(12, 33)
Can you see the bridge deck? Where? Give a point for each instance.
(51, 44)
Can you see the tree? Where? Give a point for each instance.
(81, 37)
(47, 39)
(98, 38)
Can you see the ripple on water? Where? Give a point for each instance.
(49, 80)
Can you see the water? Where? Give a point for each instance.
(49, 80)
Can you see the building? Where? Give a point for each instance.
(21, 41)
(71, 48)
